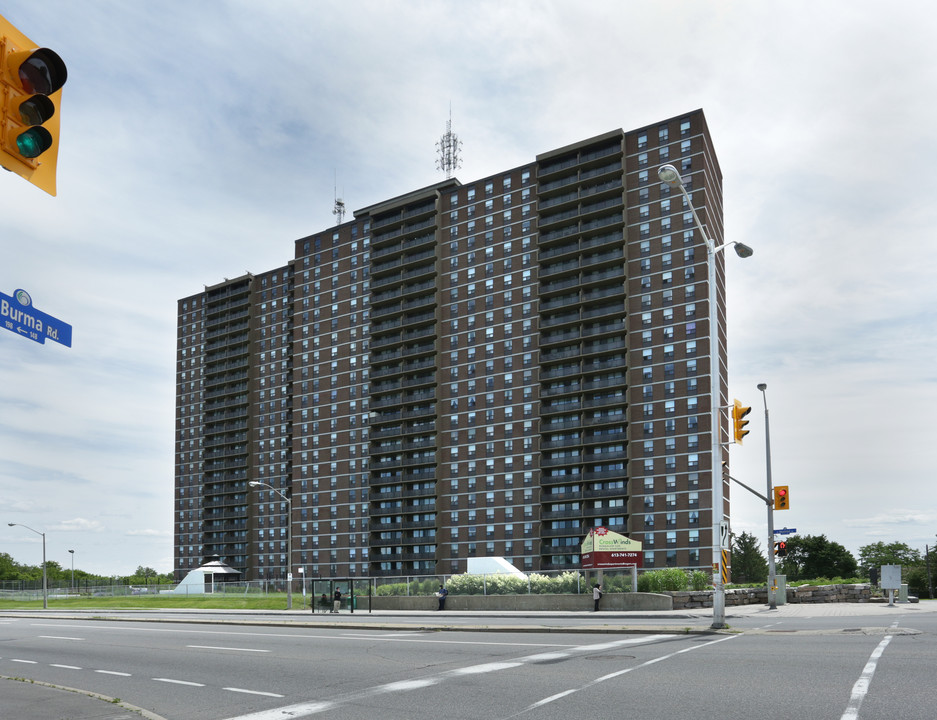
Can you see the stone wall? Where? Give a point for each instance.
(610, 601)
(759, 596)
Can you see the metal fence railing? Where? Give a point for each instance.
(545, 582)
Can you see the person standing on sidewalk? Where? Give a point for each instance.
(337, 597)
(441, 594)
(596, 596)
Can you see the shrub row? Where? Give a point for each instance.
(567, 583)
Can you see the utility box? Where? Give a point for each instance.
(891, 577)
(891, 581)
(780, 595)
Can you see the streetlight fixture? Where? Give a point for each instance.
(670, 175)
(289, 540)
(45, 583)
(772, 576)
(72, 553)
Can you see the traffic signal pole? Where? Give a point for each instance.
(772, 572)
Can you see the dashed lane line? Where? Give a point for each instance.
(306, 709)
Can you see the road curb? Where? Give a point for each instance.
(115, 702)
(398, 627)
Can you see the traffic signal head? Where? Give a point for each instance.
(780, 549)
(31, 80)
(781, 498)
(739, 411)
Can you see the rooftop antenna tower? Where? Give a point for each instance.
(338, 210)
(448, 148)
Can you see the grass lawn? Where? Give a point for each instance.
(275, 601)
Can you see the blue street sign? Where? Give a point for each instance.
(17, 314)
(785, 531)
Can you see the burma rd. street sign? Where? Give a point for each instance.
(785, 531)
(17, 314)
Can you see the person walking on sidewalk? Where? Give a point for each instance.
(596, 596)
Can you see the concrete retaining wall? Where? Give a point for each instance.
(622, 601)
(610, 601)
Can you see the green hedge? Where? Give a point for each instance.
(567, 583)
(673, 580)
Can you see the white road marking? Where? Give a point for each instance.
(218, 647)
(179, 682)
(308, 636)
(113, 672)
(28, 662)
(252, 692)
(609, 676)
(550, 699)
(861, 688)
(302, 710)
(67, 667)
(59, 637)
(290, 712)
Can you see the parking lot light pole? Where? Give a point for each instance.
(289, 540)
(772, 576)
(670, 175)
(45, 581)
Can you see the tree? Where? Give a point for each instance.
(896, 553)
(748, 564)
(8, 567)
(814, 556)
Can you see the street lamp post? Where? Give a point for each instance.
(72, 553)
(45, 583)
(289, 540)
(670, 175)
(772, 576)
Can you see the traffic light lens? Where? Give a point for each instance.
(33, 142)
(43, 72)
(36, 110)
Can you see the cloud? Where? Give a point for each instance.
(148, 532)
(78, 525)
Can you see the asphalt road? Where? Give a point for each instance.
(770, 664)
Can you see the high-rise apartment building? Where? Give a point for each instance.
(465, 370)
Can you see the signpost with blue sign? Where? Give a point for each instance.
(785, 531)
(17, 314)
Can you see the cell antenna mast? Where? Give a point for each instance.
(448, 149)
(338, 210)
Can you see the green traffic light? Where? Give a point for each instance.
(33, 142)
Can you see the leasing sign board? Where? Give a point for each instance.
(605, 549)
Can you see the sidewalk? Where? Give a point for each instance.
(38, 700)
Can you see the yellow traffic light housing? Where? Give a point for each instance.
(31, 80)
(739, 411)
(781, 498)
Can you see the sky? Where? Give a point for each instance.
(200, 139)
